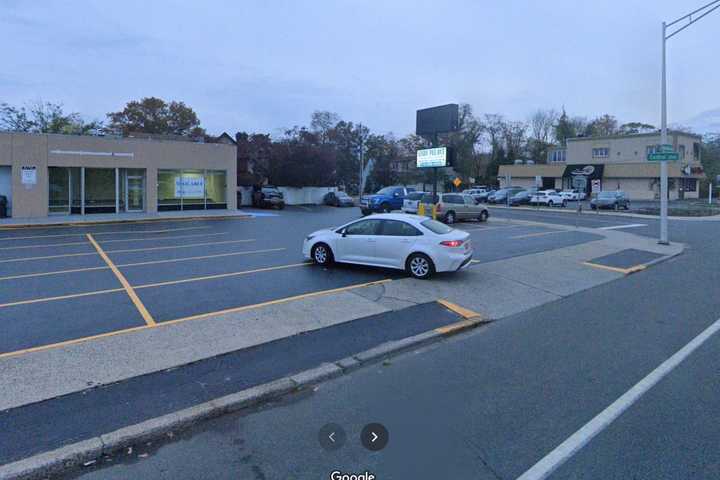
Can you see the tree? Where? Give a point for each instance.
(564, 128)
(542, 129)
(155, 116)
(515, 137)
(299, 160)
(635, 128)
(383, 150)
(322, 122)
(602, 126)
(465, 142)
(44, 117)
(493, 128)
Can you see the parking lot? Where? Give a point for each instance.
(60, 285)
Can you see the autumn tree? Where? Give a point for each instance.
(44, 117)
(154, 116)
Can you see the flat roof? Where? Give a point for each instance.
(634, 135)
(611, 170)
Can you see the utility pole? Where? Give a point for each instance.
(362, 150)
(702, 12)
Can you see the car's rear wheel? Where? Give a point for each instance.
(386, 208)
(551, 203)
(322, 254)
(450, 218)
(420, 266)
(483, 216)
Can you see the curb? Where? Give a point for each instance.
(107, 222)
(74, 455)
(567, 210)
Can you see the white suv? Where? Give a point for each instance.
(573, 195)
(551, 198)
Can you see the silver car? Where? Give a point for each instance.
(453, 207)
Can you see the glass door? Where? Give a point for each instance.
(135, 193)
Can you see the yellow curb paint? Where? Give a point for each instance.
(624, 271)
(123, 281)
(462, 311)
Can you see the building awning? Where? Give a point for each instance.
(589, 171)
(652, 170)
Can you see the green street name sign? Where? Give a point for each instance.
(663, 157)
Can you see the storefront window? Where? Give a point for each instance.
(169, 196)
(216, 186)
(191, 189)
(59, 199)
(100, 190)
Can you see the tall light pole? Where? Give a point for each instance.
(699, 13)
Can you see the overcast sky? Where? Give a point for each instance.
(264, 65)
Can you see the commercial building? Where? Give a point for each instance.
(47, 174)
(618, 163)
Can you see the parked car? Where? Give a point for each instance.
(522, 198)
(475, 193)
(268, 197)
(501, 196)
(454, 207)
(549, 198)
(419, 245)
(483, 197)
(412, 201)
(611, 199)
(573, 195)
(338, 199)
(385, 200)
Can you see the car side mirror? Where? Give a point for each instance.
(343, 232)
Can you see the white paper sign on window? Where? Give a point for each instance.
(28, 174)
(189, 187)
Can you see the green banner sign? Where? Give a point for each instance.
(663, 157)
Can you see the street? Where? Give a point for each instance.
(498, 399)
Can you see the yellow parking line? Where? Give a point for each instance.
(540, 234)
(624, 271)
(123, 281)
(221, 275)
(149, 249)
(171, 247)
(60, 297)
(151, 262)
(171, 237)
(185, 319)
(111, 232)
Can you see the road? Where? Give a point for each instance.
(492, 403)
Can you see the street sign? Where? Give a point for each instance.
(432, 157)
(457, 182)
(538, 181)
(665, 149)
(596, 186)
(663, 157)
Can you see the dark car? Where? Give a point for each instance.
(522, 198)
(501, 196)
(612, 199)
(483, 197)
(338, 199)
(268, 197)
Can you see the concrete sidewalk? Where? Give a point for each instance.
(73, 220)
(572, 209)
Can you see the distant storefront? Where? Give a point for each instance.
(618, 163)
(45, 175)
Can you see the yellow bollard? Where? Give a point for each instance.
(421, 209)
(434, 211)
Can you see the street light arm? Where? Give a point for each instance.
(670, 24)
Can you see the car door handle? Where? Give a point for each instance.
(370, 240)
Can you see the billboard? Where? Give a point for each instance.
(432, 157)
(430, 121)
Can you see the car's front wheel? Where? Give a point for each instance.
(551, 204)
(322, 255)
(450, 218)
(564, 204)
(420, 266)
(483, 216)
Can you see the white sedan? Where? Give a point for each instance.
(551, 198)
(419, 245)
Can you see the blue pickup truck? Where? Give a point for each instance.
(385, 200)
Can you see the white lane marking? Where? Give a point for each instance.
(553, 460)
(618, 227)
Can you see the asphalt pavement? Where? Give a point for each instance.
(492, 403)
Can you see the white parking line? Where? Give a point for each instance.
(618, 227)
(553, 460)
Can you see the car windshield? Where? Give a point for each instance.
(436, 227)
(341, 195)
(386, 191)
(429, 198)
(415, 196)
(607, 195)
